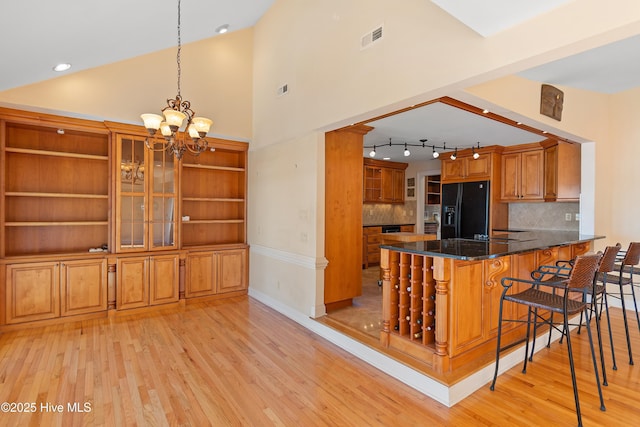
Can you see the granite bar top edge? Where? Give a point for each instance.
(475, 250)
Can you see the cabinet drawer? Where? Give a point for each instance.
(374, 239)
(371, 230)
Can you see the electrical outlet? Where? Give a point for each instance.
(567, 217)
(577, 217)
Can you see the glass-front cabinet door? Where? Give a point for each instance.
(146, 204)
(162, 216)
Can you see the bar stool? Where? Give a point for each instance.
(599, 299)
(630, 258)
(580, 280)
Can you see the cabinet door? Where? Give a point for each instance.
(479, 168)
(32, 292)
(131, 195)
(453, 170)
(201, 274)
(132, 288)
(163, 284)
(398, 186)
(83, 286)
(387, 185)
(372, 184)
(510, 182)
(232, 271)
(163, 206)
(532, 175)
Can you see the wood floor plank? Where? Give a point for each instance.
(236, 363)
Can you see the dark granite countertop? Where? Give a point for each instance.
(498, 245)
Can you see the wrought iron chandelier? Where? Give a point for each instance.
(193, 139)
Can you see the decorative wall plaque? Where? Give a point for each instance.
(551, 101)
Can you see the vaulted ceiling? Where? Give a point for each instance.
(39, 34)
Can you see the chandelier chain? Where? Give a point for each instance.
(179, 49)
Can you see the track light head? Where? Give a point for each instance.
(372, 153)
(407, 153)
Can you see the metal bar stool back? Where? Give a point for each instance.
(580, 280)
(630, 259)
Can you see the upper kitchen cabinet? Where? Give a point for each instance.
(562, 171)
(467, 168)
(522, 173)
(547, 171)
(383, 181)
(146, 196)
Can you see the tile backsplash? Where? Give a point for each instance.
(385, 213)
(544, 216)
(529, 216)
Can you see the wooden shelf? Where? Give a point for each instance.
(212, 199)
(53, 223)
(55, 153)
(214, 221)
(56, 195)
(222, 168)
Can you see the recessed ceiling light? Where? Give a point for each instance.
(222, 29)
(62, 67)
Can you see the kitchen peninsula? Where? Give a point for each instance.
(441, 297)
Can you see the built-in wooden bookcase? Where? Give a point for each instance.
(214, 196)
(56, 188)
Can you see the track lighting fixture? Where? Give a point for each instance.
(435, 149)
(475, 153)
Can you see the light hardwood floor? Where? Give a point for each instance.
(237, 362)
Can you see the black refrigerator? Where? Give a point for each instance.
(465, 210)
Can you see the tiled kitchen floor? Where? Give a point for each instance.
(365, 315)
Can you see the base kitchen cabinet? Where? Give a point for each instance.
(147, 280)
(216, 272)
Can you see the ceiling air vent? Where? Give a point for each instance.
(371, 37)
